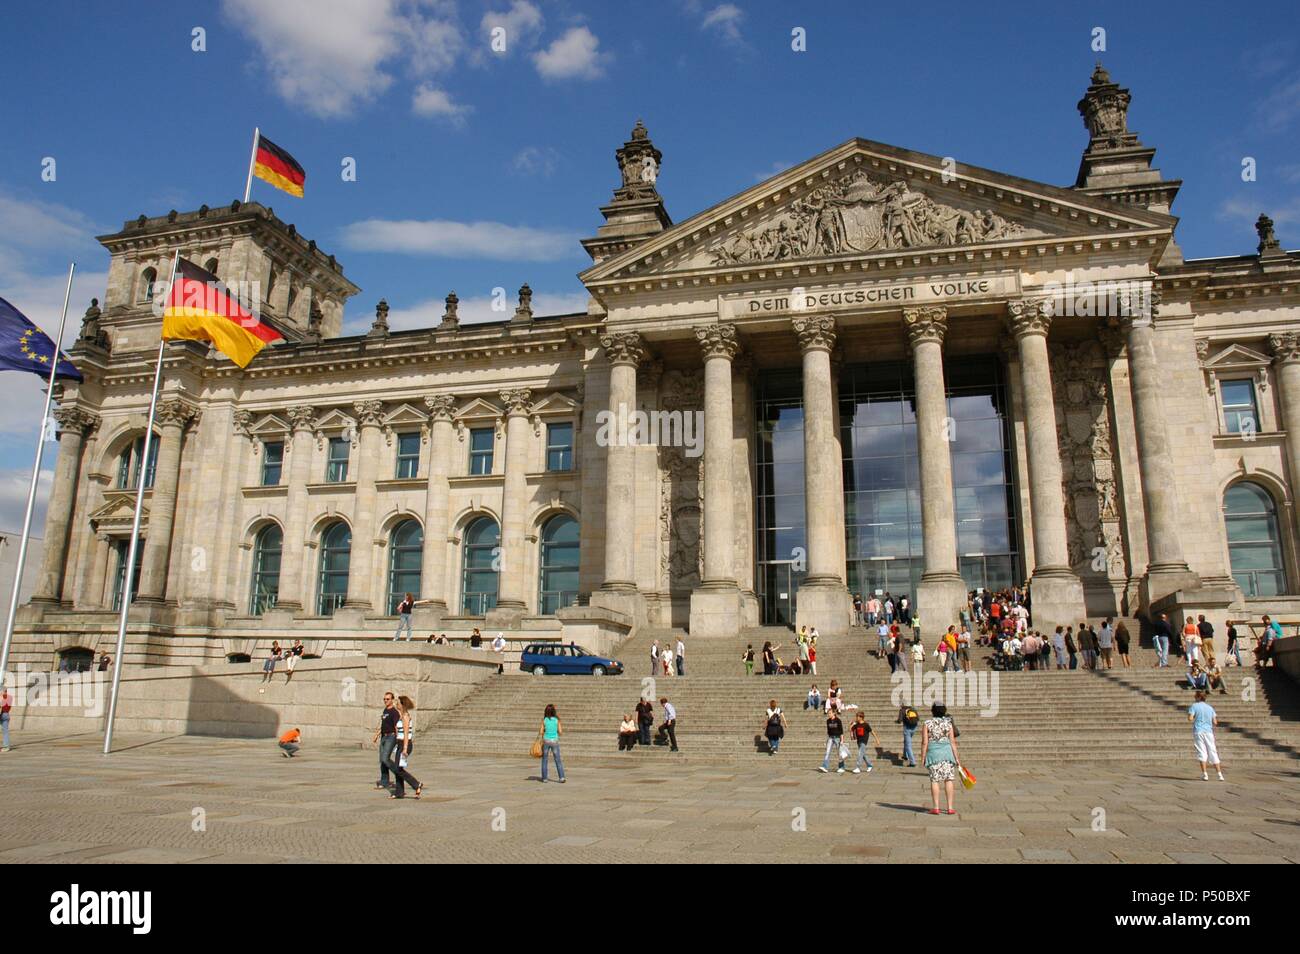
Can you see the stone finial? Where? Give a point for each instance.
(1029, 316)
(450, 320)
(638, 161)
(623, 347)
(926, 323)
(525, 310)
(441, 406)
(815, 333)
(379, 329)
(1268, 243)
(1104, 109)
(718, 341)
(517, 401)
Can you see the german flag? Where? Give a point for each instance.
(274, 165)
(199, 308)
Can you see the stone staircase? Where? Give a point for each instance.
(1136, 714)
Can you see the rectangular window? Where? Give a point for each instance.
(272, 462)
(408, 455)
(337, 469)
(1239, 416)
(480, 450)
(559, 447)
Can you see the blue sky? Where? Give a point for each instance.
(494, 164)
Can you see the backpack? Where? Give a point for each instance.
(910, 718)
(774, 730)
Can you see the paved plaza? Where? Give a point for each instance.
(63, 801)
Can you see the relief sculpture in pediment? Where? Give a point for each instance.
(861, 214)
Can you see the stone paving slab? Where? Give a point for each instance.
(67, 804)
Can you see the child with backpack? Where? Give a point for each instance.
(909, 719)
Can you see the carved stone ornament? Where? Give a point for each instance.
(176, 413)
(718, 341)
(76, 419)
(624, 347)
(816, 333)
(1285, 348)
(369, 413)
(441, 406)
(1029, 316)
(862, 214)
(302, 417)
(927, 323)
(242, 420)
(517, 401)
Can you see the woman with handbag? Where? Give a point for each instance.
(939, 753)
(549, 735)
(402, 752)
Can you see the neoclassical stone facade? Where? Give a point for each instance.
(873, 371)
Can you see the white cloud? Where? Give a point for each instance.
(445, 239)
(430, 101)
(475, 308)
(42, 226)
(536, 161)
(725, 20)
(1246, 212)
(574, 55)
(1280, 108)
(330, 56)
(522, 24)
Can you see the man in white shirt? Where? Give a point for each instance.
(654, 658)
(680, 655)
(963, 648)
(499, 647)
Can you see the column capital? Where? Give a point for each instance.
(1029, 316)
(302, 417)
(176, 413)
(925, 323)
(624, 347)
(1285, 348)
(517, 401)
(718, 341)
(1137, 304)
(441, 406)
(368, 412)
(76, 419)
(816, 332)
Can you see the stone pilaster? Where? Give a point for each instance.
(302, 421)
(1057, 590)
(512, 596)
(172, 417)
(822, 599)
(942, 591)
(1286, 358)
(433, 568)
(362, 578)
(715, 606)
(74, 424)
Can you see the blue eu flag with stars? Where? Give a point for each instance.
(24, 347)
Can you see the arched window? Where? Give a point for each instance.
(335, 556)
(128, 464)
(1254, 543)
(265, 589)
(148, 279)
(405, 554)
(558, 574)
(479, 567)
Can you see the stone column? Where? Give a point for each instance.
(1167, 572)
(624, 351)
(1057, 593)
(942, 591)
(512, 596)
(74, 425)
(715, 605)
(302, 419)
(433, 567)
(1286, 357)
(822, 599)
(361, 573)
(172, 417)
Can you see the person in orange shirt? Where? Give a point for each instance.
(290, 742)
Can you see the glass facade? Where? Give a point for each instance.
(1254, 540)
(558, 583)
(335, 559)
(265, 588)
(779, 508)
(480, 567)
(405, 556)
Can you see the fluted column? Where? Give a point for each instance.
(172, 417)
(74, 425)
(361, 574)
(512, 595)
(433, 568)
(719, 345)
(1057, 592)
(302, 419)
(1286, 358)
(942, 590)
(624, 350)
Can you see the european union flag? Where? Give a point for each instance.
(24, 347)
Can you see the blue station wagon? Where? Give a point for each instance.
(557, 659)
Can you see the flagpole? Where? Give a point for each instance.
(128, 574)
(36, 474)
(252, 160)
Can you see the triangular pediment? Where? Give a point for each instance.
(478, 409)
(554, 404)
(1237, 356)
(404, 414)
(271, 425)
(865, 199)
(117, 512)
(334, 420)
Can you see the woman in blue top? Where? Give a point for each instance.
(550, 732)
(939, 753)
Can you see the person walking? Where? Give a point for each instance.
(654, 658)
(386, 737)
(1106, 642)
(6, 703)
(908, 718)
(1121, 643)
(1161, 635)
(858, 617)
(1071, 648)
(499, 647)
(292, 656)
(404, 609)
(1058, 646)
(268, 667)
(1203, 719)
(549, 732)
(669, 726)
(939, 753)
(834, 741)
(679, 656)
(774, 727)
(402, 751)
(747, 657)
(627, 733)
(645, 717)
(769, 658)
(291, 742)
(812, 655)
(1205, 629)
(963, 647)
(862, 734)
(1233, 650)
(1191, 641)
(882, 640)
